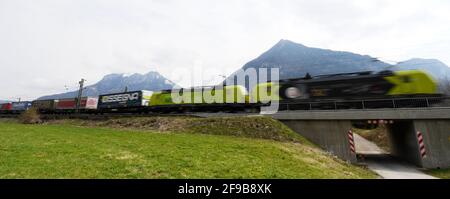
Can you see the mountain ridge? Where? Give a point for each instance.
(117, 82)
(436, 68)
(295, 60)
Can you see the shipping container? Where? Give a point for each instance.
(44, 105)
(66, 103)
(124, 100)
(21, 106)
(71, 103)
(89, 102)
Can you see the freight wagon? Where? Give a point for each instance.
(70, 104)
(5, 107)
(131, 101)
(44, 106)
(18, 107)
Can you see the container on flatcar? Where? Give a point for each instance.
(71, 103)
(64, 104)
(89, 102)
(125, 100)
(5, 107)
(20, 106)
(44, 105)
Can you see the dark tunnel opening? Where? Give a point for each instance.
(394, 139)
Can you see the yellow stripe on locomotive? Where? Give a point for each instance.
(411, 82)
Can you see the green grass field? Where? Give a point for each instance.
(69, 151)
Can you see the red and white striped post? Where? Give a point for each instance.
(423, 152)
(351, 141)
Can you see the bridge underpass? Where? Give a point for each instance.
(418, 136)
(379, 160)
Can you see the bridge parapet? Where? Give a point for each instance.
(363, 114)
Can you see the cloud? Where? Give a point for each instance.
(48, 44)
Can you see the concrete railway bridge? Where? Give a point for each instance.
(420, 136)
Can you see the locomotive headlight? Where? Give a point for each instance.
(292, 92)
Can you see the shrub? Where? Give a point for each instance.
(31, 116)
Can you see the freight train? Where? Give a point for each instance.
(337, 87)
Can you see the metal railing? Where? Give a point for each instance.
(391, 103)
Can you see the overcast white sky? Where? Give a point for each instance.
(47, 44)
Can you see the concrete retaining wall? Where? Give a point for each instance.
(331, 135)
(436, 137)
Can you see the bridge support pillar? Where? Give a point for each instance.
(425, 143)
(436, 140)
(331, 135)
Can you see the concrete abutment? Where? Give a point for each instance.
(432, 150)
(436, 139)
(328, 134)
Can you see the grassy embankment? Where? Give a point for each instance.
(164, 148)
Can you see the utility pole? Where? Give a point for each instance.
(80, 93)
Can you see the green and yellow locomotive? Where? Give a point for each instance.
(352, 86)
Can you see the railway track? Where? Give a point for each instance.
(91, 116)
(366, 104)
